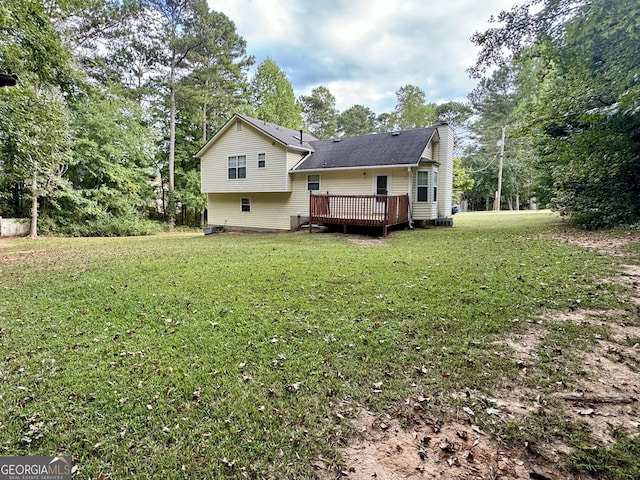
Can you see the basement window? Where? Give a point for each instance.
(245, 204)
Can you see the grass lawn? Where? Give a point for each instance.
(233, 355)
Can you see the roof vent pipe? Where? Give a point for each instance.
(300, 137)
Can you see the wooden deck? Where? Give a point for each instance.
(361, 210)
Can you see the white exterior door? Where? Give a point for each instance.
(381, 186)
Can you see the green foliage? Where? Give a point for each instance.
(462, 181)
(411, 109)
(112, 156)
(497, 103)
(272, 96)
(319, 113)
(616, 462)
(102, 224)
(356, 120)
(35, 141)
(31, 47)
(578, 97)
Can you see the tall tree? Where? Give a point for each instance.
(37, 156)
(112, 155)
(356, 120)
(585, 56)
(411, 110)
(34, 121)
(272, 96)
(319, 112)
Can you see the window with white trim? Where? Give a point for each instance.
(313, 182)
(245, 204)
(237, 167)
(422, 181)
(262, 160)
(435, 186)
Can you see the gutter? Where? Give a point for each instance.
(359, 167)
(300, 161)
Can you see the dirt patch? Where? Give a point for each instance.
(455, 451)
(6, 243)
(610, 246)
(363, 241)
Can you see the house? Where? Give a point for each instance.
(264, 177)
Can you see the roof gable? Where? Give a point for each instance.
(404, 147)
(286, 136)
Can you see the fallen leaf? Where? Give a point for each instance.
(123, 431)
(447, 447)
(468, 411)
(477, 429)
(462, 434)
(196, 396)
(585, 411)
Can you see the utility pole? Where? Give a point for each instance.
(499, 192)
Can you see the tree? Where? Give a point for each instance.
(411, 110)
(112, 155)
(319, 113)
(583, 114)
(356, 120)
(272, 96)
(217, 84)
(37, 156)
(462, 181)
(34, 120)
(31, 47)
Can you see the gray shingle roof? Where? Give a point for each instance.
(398, 148)
(285, 135)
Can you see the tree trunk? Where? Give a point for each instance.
(33, 230)
(171, 199)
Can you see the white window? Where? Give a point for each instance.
(245, 204)
(313, 182)
(262, 160)
(435, 186)
(237, 167)
(423, 186)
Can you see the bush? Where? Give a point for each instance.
(103, 225)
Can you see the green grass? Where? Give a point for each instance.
(189, 356)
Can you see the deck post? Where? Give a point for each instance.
(310, 212)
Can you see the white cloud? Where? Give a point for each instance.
(363, 51)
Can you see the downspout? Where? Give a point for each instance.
(410, 192)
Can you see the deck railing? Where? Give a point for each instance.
(362, 210)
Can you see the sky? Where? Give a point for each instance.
(363, 51)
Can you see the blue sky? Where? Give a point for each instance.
(363, 51)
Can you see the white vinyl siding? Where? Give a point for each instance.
(445, 178)
(249, 142)
(267, 210)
